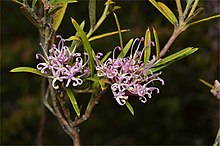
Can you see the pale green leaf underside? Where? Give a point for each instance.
(29, 70)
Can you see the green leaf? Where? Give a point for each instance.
(194, 15)
(106, 35)
(206, 83)
(73, 101)
(203, 20)
(116, 8)
(168, 13)
(157, 44)
(125, 49)
(33, 3)
(193, 8)
(86, 45)
(28, 69)
(109, 2)
(102, 84)
(147, 44)
(189, 3)
(92, 13)
(106, 56)
(58, 16)
(76, 39)
(129, 107)
(92, 98)
(119, 30)
(173, 58)
(165, 11)
(96, 87)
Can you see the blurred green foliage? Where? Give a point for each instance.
(184, 113)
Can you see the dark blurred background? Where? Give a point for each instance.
(184, 113)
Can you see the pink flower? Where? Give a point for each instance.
(64, 65)
(130, 76)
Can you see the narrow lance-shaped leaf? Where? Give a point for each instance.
(94, 94)
(106, 56)
(92, 13)
(58, 16)
(92, 98)
(76, 39)
(119, 30)
(193, 8)
(173, 58)
(86, 45)
(157, 44)
(169, 13)
(194, 15)
(29, 70)
(203, 20)
(189, 3)
(165, 11)
(206, 83)
(73, 101)
(106, 35)
(125, 49)
(147, 44)
(129, 107)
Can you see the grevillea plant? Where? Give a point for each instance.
(79, 68)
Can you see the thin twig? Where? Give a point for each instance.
(58, 113)
(175, 34)
(65, 110)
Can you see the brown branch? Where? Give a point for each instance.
(175, 34)
(72, 131)
(65, 110)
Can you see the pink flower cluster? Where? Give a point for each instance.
(64, 65)
(130, 76)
